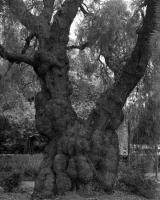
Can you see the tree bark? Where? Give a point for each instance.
(85, 155)
(129, 142)
(156, 161)
(78, 154)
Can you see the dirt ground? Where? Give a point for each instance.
(71, 196)
(27, 162)
(24, 191)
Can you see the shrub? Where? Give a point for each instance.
(133, 180)
(11, 182)
(30, 173)
(6, 168)
(26, 165)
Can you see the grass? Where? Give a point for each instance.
(26, 165)
(72, 196)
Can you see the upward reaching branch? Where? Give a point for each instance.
(48, 9)
(108, 113)
(69, 10)
(64, 18)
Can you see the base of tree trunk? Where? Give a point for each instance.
(78, 161)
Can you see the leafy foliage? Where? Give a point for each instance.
(146, 108)
(11, 182)
(109, 29)
(147, 131)
(110, 32)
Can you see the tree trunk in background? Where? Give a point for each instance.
(156, 161)
(129, 142)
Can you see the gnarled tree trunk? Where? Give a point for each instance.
(78, 154)
(85, 154)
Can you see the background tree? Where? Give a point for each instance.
(78, 153)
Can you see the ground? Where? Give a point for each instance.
(71, 196)
(26, 189)
(27, 165)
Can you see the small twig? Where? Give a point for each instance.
(26, 84)
(80, 47)
(84, 11)
(9, 67)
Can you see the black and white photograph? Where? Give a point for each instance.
(79, 99)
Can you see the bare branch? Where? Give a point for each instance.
(80, 47)
(15, 58)
(9, 67)
(142, 13)
(28, 40)
(64, 18)
(84, 11)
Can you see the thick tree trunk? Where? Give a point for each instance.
(82, 154)
(54, 117)
(75, 156)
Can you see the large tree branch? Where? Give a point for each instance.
(63, 20)
(15, 58)
(69, 10)
(36, 24)
(48, 9)
(108, 113)
(19, 9)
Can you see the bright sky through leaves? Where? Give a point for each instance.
(78, 18)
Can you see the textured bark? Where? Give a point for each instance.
(78, 154)
(31, 22)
